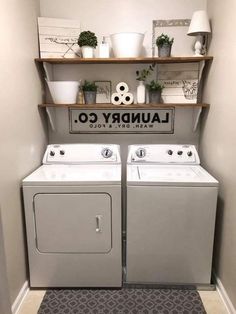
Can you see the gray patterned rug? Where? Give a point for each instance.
(130, 301)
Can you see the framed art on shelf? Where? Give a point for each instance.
(103, 92)
(183, 44)
(58, 37)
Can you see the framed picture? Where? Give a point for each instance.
(58, 37)
(180, 82)
(183, 44)
(103, 92)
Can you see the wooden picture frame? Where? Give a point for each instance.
(58, 38)
(183, 44)
(103, 92)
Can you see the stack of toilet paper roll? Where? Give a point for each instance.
(122, 95)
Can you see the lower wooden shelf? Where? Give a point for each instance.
(133, 106)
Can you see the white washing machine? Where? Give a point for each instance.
(171, 208)
(73, 217)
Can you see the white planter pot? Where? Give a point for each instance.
(87, 51)
(141, 92)
(127, 45)
(63, 92)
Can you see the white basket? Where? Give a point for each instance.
(127, 45)
(63, 92)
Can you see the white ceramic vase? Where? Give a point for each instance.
(141, 92)
(87, 51)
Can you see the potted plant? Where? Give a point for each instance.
(154, 91)
(164, 44)
(90, 92)
(141, 77)
(87, 41)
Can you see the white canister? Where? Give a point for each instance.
(141, 93)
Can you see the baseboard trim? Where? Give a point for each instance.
(20, 298)
(224, 295)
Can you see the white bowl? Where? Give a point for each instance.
(127, 45)
(63, 92)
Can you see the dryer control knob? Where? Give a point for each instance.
(189, 153)
(107, 153)
(140, 152)
(52, 153)
(180, 152)
(62, 152)
(170, 152)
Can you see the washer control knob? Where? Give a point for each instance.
(107, 152)
(62, 152)
(180, 152)
(170, 152)
(52, 153)
(140, 152)
(189, 153)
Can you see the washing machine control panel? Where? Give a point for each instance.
(81, 153)
(164, 154)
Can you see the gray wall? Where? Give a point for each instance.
(110, 16)
(22, 134)
(105, 17)
(218, 141)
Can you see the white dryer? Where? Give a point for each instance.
(73, 217)
(171, 208)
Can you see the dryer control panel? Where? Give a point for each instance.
(163, 154)
(81, 154)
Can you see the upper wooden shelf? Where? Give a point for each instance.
(123, 60)
(132, 106)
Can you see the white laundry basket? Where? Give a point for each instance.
(63, 92)
(127, 45)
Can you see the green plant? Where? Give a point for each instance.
(164, 39)
(143, 74)
(88, 38)
(154, 86)
(89, 87)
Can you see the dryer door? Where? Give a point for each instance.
(73, 223)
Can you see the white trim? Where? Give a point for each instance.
(20, 298)
(224, 295)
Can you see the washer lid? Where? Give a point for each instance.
(169, 175)
(74, 174)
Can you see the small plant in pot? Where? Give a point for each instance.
(90, 92)
(164, 44)
(154, 92)
(87, 41)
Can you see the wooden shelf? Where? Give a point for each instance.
(124, 60)
(133, 106)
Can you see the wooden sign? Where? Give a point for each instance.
(122, 121)
(180, 82)
(58, 38)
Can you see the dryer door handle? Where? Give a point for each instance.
(98, 223)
